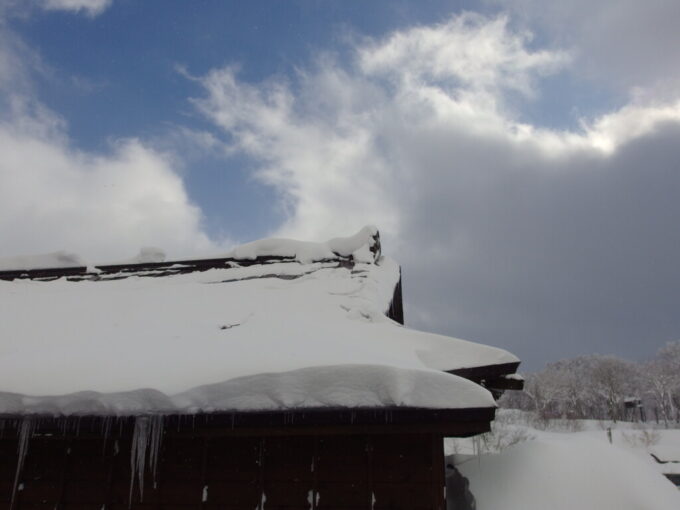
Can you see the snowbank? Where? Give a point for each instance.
(573, 471)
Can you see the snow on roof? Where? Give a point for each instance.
(364, 246)
(304, 332)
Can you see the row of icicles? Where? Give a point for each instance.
(146, 444)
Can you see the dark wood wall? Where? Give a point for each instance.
(211, 471)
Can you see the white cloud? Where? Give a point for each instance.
(319, 164)
(104, 206)
(334, 140)
(509, 232)
(89, 7)
(468, 53)
(613, 130)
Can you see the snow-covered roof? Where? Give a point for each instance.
(303, 327)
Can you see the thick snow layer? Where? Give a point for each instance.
(314, 387)
(296, 329)
(268, 336)
(359, 245)
(573, 471)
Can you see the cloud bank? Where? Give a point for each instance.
(543, 241)
(53, 196)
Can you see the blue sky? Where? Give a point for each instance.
(119, 74)
(123, 74)
(519, 157)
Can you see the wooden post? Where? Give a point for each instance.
(438, 473)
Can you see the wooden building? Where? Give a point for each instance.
(291, 420)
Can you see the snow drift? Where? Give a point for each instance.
(567, 473)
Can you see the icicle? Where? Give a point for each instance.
(106, 431)
(25, 433)
(147, 436)
(140, 438)
(155, 444)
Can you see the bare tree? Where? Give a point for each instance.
(662, 378)
(593, 386)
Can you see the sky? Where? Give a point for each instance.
(520, 158)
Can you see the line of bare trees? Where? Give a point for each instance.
(605, 387)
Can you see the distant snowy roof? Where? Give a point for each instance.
(275, 324)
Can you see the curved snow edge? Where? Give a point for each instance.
(337, 386)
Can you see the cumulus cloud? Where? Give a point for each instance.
(469, 53)
(546, 242)
(104, 206)
(89, 7)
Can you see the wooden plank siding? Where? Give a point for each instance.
(203, 471)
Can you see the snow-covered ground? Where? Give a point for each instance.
(569, 465)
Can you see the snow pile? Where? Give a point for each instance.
(666, 452)
(660, 448)
(267, 336)
(667, 447)
(569, 472)
(363, 247)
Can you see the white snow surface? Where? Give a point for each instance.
(564, 473)
(357, 245)
(227, 339)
